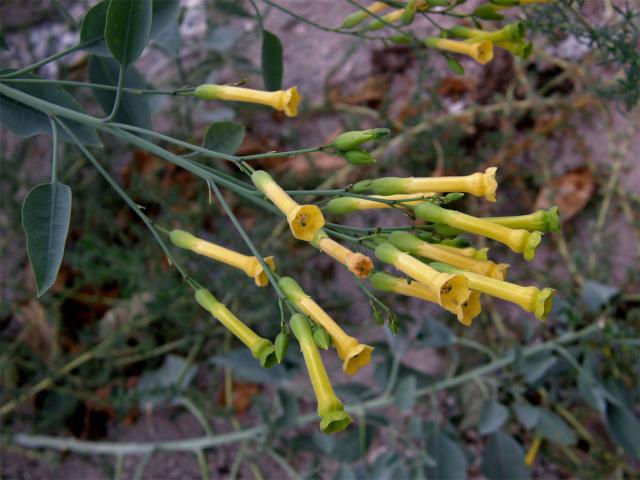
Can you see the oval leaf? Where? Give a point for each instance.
(272, 66)
(127, 29)
(624, 427)
(165, 13)
(46, 213)
(555, 429)
(223, 137)
(528, 415)
(27, 122)
(134, 109)
(504, 458)
(493, 416)
(92, 31)
(451, 463)
(405, 395)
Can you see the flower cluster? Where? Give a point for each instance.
(435, 261)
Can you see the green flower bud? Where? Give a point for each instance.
(400, 39)
(362, 186)
(358, 157)
(342, 205)
(281, 344)
(321, 337)
(409, 13)
(455, 66)
(487, 12)
(351, 140)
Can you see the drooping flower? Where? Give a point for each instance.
(282, 100)
(248, 264)
(330, 408)
(357, 263)
(481, 51)
(304, 220)
(354, 355)
(261, 348)
(538, 221)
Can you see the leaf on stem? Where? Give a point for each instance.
(223, 137)
(92, 30)
(504, 458)
(272, 66)
(127, 29)
(164, 14)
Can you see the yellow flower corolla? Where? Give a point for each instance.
(410, 243)
(478, 184)
(261, 348)
(330, 408)
(538, 221)
(357, 263)
(282, 100)
(304, 220)
(477, 253)
(518, 240)
(465, 312)
(358, 17)
(354, 355)
(450, 291)
(530, 299)
(248, 264)
(481, 51)
(343, 205)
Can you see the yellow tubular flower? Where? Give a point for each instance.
(248, 264)
(282, 100)
(413, 245)
(343, 205)
(538, 221)
(477, 253)
(377, 24)
(450, 291)
(304, 220)
(330, 408)
(518, 240)
(478, 184)
(354, 355)
(261, 348)
(530, 299)
(481, 51)
(358, 17)
(357, 263)
(465, 312)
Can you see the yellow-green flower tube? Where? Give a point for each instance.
(354, 355)
(304, 220)
(538, 221)
(450, 291)
(520, 49)
(248, 264)
(518, 240)
(330, 408)
(358, 17)
(465, 312)
(410, 243)
(343, 205)
(261, 348)
(481, 51)
(282, 100)
(357, 263)
(509, 33)
(530, 299)
(477, 253)
(478, 184)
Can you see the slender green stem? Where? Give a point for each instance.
(125, 196)
(290, 153)
(142, 465)
(117, 101)
(272, 279)
(204, 467)
(54, 150)
(258, 14)
(97, 86)
(44, 61)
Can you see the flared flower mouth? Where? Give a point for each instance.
(259, 275)
(483, 52)
(290, 101)
(360, 265)
(469, 309)
(335, 421)
(499, 271)
(552, 220)
(531, 243)
(490, 184)
(544, 303)
(453, 291)
(356, 358)
(266, 354)
(305, 221)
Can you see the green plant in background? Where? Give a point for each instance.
(441, 265)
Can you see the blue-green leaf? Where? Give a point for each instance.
(555, 429)
(451, 463)
(272, 65)
(27, 122)
(134, 109)
(493, 416)
(46, 213)
(504, 459)
(223, 137)
(624, 427)
(528, 415)
(127, 29)
(165, 13)
(405, 394)
(92, 30)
